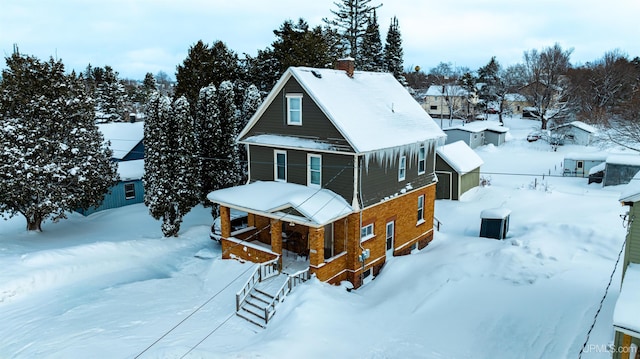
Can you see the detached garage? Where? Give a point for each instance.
(458, 170)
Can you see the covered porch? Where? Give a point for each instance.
(302, 227)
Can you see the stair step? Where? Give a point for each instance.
(261, 296)
(255, 310)
(252, 318)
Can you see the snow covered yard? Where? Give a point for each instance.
(109, 285)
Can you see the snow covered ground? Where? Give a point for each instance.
(109, 285)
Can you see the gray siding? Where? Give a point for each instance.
(315, 125)
(473, 139)
(496, 138)
(380, 179)
(337, 169)
(469, 180)
(447, 186)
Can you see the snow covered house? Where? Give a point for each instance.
(580, 164)
(341, 171)
(458, 170)
(449, 100)
(626, 316)
(575, 132)
(478, 133)
(125, 140)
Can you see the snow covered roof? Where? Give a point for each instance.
(318, 206)
(515, 97)
(586, 156)
(288, 141)
(449, 90)
(131, 170)
(631, 192)
(583, 126)
(124, 136)
(480, 126)
(371, 110)
(460, 157)
(598, 168)
(495, 213)
(631, 160)
(626, 316)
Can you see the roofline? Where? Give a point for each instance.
(298, 148)
(626, 331)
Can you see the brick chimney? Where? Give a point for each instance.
(346, 64)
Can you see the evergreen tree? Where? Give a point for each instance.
(207, 117)
(54, 159)
(228, 170)
(372, 54)
(393, 52)
(252, 101)
(205, 66)
(149, 84)
(171, 165)
(110, 97)
(351, 20)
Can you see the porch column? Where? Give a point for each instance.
(316, 246)
(276, 238)
(225, 222)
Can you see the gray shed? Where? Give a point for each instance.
(494, 223)
(478, 133)
(580, 164)
(620, 169)
(458, 170)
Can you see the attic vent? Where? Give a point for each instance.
(316, 74)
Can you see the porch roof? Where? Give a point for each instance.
(316, 206)
(626, 316)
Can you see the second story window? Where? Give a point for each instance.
(314, 163)
(402, 168)
(294, 109)
(422, 160)
(280, 168)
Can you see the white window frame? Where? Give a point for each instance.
(422, 160)
(275, 165)
(125, 190)
(367, 232)
(290, 121)
(420, 209)
(402, 168)
(310, 170)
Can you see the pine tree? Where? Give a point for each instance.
(350, 20)
(205, 66)
(207, 117)
(393, 52)
(171, 162)
(228, 171)
(372, 54)
(110, 98)
(149, 84)
(252, 101)
(54, 159)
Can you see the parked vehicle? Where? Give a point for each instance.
(239, 220)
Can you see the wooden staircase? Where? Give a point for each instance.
(265, 289)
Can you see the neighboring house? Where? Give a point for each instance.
(580, 164)
(478, 133)
(128, 190)
(125, 140)
(626, 316)
(341, 169)
(576, 132)
(458, 170)
(441, 100)
(620, 169)
(515, 103)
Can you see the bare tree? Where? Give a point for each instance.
(545, 88)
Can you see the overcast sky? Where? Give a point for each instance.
(139, 36)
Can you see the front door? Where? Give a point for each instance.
(390, 235)
(579, 168)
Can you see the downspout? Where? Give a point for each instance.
(360, 227)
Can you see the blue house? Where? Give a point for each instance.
(125, 140)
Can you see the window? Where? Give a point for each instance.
(314, 163)
(580, 164)
(294, 109)
(280, 166)
(421, 209)
(129, 191)
(433, 107)
(402, 168)
(422, 160)
(366, 232)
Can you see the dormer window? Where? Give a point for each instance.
(294, 109)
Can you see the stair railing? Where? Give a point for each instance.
(262, 272)
(293, 281)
